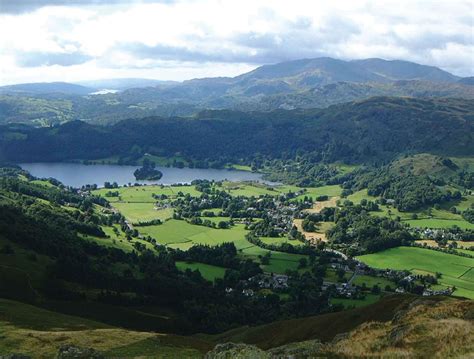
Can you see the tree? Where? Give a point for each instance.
(303, 263)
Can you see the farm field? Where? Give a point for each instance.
(435, 218)
(207, 271)
(279, 262)
(440, 223)
(280, 240)
(331, 191)
(257, 189)
(136, 212)
(182, 235)
(461, 245)
(145, 193)
(455, 270)
(331, 276)
(371, 281)
(117, 241)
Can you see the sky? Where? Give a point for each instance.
(76, 40)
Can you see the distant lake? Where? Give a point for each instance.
(78, 175)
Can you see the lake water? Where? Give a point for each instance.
(78, 175)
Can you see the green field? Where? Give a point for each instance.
(145, 193)
(280, 240)
(280, 262)
(207, 271)
(249, 189)
(117, 241)
(258, 189)
(430, 218)
(440, 223)
(456, 270)
(331, 191)
(182, 235)
(371, 281)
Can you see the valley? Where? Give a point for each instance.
(317, 207)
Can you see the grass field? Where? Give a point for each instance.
(142, 212)
(331, 276)
(440, 223)
(456, 270)
(371, 281)
(207, 271)
(280, 240)
(430, 218)
(182, 235)
(145, 193)
(117, 241)
(258, 189)
(462, 246)
(279, 262)
(248, 189)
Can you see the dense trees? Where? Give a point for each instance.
(371, 130)
(361, 233)
(147, 171)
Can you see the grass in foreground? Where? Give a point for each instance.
(38, 332)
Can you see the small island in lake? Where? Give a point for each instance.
(147, 172)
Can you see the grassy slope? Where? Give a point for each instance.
(452, 267)
(439, 218)
(38, 332)
(323, 327)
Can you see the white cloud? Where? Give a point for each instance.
(191, 38)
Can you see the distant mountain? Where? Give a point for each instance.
(320, 97)
(467, 81)
(300, 84)
(124, 83)
(404, 70)
(294, 77)
(46, 88)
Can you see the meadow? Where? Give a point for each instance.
(137, 204)
(455, 270)
(429, 217)
(207, 271)
(145, 193)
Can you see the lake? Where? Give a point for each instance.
(78, 175)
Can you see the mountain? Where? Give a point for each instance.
(405, 70)
(299, 84)
(46, 88)
(467, 81)
(396, 326)
(414, 330)
(124, 83)
(320, 97)
(300, 75)
(379, 128)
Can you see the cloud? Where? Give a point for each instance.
(25, 6)
(36, 59)
(177, 38)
